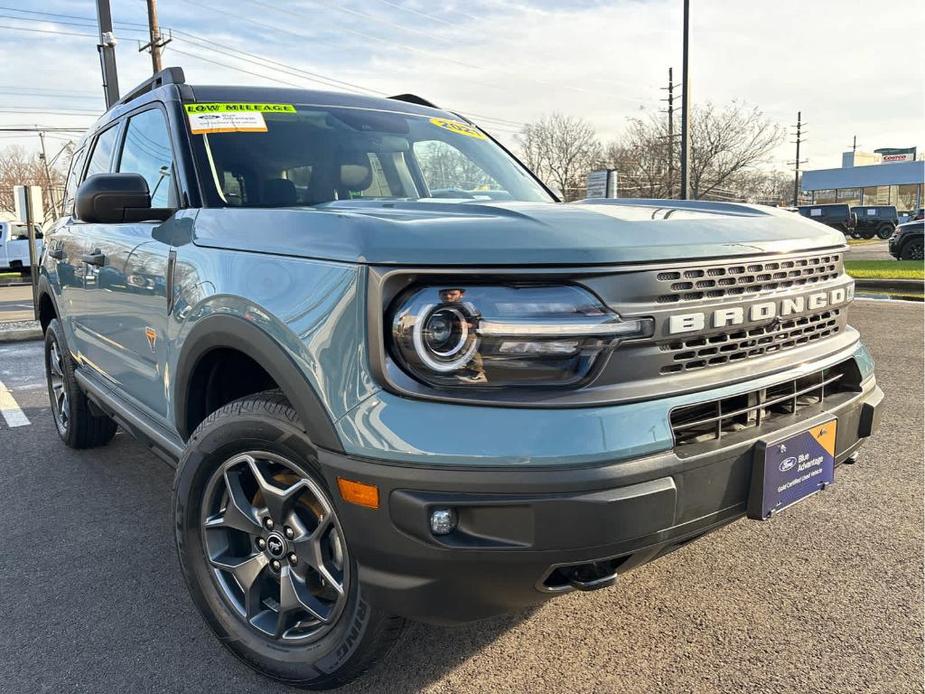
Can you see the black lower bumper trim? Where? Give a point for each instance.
(525, 535)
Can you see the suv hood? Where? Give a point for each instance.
(445, 233)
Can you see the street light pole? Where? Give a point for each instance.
(107, 51)
(684, 193)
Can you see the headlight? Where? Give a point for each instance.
(494, 336)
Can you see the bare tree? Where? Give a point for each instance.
(561, 150)
(19, 167)
(446, 167)
(766, 187)
(726, 143)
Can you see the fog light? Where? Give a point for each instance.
(442, 521)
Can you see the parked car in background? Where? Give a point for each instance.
(907, 242)
(838, 216)
(875, 220)
(920, 214)
(14, 246)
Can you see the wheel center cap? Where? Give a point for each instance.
(276, 546)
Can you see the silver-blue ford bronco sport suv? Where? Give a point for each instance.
(399, 380)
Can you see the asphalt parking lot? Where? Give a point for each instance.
(824, 598)
(870, 250)
(15, 302)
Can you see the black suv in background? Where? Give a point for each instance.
(875, 220)
(908, 241)
(838, 216)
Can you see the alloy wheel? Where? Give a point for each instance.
(57, 387)
(275, 547)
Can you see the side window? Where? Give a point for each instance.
(73, 175)
(146, 151)
(102, 151)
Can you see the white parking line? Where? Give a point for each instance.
(9, 408)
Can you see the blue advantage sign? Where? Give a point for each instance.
(788, 471)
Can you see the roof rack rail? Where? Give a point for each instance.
(169, 75)
(414, 99)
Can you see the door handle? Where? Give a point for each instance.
(56, 253)
(95, 258)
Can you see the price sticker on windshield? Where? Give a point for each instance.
(459, 128)
(232, 117)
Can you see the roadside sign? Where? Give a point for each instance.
(889, 155)
(28, 206)
(602, 184)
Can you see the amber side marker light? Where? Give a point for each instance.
(359, 493)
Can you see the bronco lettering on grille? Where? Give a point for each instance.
(763, 311)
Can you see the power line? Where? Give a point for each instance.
(66, 16)
(47, 31)
(437, 56)
(231, 52)
(422, 14)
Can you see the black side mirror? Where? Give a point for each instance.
(110, 198)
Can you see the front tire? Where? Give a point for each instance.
(263, 552)
(77, 424)
(885, 231)
(913, 250)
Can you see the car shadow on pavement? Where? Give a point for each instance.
(425, 653)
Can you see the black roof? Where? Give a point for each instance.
(290, 95)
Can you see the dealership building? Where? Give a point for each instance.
(885, 177)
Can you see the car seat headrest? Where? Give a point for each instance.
(280, 192)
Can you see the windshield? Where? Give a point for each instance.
(280, 155)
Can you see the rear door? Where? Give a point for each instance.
(128, 300)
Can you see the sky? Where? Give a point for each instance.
(852, 68)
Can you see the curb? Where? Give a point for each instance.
(890, 285)
(20, 331)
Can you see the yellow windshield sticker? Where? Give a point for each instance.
(231, 118)
(458, 127)
(239, 107)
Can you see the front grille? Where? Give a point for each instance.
(736, 345)
(745, 279)
(712, 421)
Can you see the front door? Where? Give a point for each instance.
(126, 314)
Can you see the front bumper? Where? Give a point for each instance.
(527, 534)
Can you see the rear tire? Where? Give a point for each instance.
(77, 424)
(913, 250)
(255, 452)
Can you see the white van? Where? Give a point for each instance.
(14, 246)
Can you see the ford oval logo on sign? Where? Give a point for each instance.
(787, 464)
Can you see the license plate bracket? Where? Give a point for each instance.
(791, 469)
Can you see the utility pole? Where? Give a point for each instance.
(670, 112)
(48, 186)
(854, 144)
(684, 193)
(796, 162)
(107, 51)
(156, 42)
